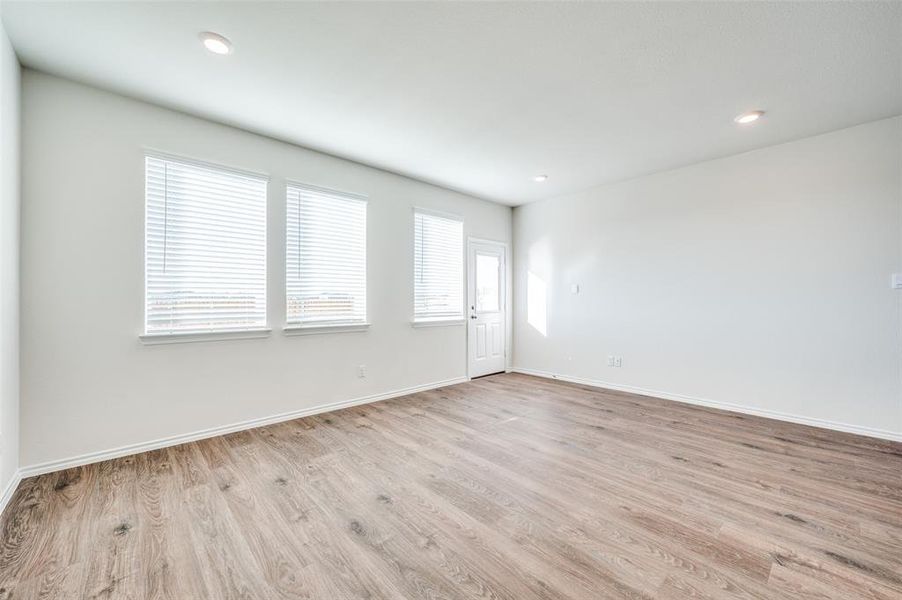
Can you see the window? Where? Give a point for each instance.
(438, 268)
(325, 257)
(205, 249)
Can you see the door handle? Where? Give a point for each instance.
(473, 317)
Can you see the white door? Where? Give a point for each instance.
(486, 306)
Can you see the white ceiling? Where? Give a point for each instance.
(480, 97)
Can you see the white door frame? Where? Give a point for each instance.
(508, 300)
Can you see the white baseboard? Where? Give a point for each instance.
(758, 412)
(92, 457)
(10, 489)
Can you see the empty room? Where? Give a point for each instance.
(450, 300)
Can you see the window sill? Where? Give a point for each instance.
(438, 322)
(320, 329)
(153, 339)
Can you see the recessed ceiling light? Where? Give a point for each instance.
(749, 117)
(540, 178)
(216, 43)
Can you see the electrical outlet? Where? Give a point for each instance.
(361, 371)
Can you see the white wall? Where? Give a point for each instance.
(9, 262)
(89, 385)
(760, 280)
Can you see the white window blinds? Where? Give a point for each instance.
(205, 249)
(325, 257)
(438, 268)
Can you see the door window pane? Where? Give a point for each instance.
(488, 297)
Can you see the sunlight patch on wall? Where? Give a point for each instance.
(536, 304)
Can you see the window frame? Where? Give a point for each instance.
(460, 319)
(337, 326)
(171, 337)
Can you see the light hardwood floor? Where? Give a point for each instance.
(509, 487)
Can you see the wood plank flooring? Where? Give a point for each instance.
(508, 487)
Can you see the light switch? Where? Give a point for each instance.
(897, 281)
(574, 288)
